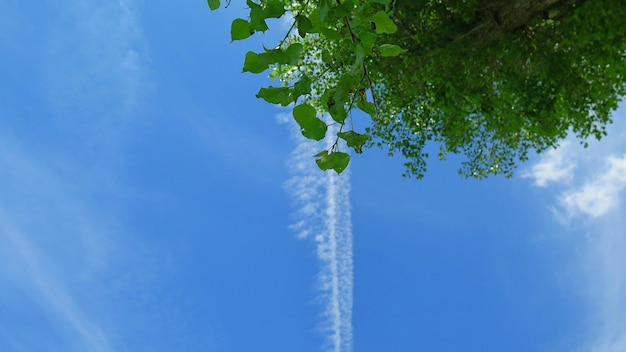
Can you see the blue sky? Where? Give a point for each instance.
(148, 202)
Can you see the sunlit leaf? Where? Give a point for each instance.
(302, 87)
(310, 126)
(322, 153)
(273, 9)
(292, 54)
(337, 161)
(304, 25)
(254, 63)
(214, 4)
(240, 29)
(367, 107)
(354, 140)
(359, 53)
(390, 50)
(338, 112)
(367, 39)
(383, 23)
(276, 95)
(257, 17)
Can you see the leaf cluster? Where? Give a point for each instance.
(488, 80)
(494, 93)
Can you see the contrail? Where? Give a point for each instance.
(323, 213)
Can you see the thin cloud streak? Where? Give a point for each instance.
(50, 292)
(50, 244)
(56, 239)
(605, 284)
(324, 214)
(95, 69)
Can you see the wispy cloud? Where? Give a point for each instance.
(50, 243)
(324, 215)
(602, 268)
(57, 220)
(50, 292)
(238, 148)
(590, 187)
(95, 70)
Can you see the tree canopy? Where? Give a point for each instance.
(491, 80)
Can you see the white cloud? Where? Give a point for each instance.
(590, 196)
(600, 194)
(604, 284)
(589, 181)
(554, 166)
(324, 214)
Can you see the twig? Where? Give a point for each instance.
(365, 71)
(306, 4)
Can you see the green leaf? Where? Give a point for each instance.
(322, 153)
(273, 56)
(316, 23)
(332, 33)
(338, 112)
(383, 23)
(289, 56)
(254, 63)
(367, 39)
(334, 99)
(258, 13)
(354, 140)
(367, 107)
(344, 9)
(302, 87)
(304, 25)
(337, 161)
(324, 7)
(257, 63)
(276, 95)
(359, 53)
(257, 17)
(292, 54)
(387, 50)
(327, 57)
(310, 126)
(214, 4)
(240, 29)
(273, 9)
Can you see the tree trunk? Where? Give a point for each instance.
(507, 16)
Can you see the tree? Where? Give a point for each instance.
(491, 79)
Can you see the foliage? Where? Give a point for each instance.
(491, 80)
